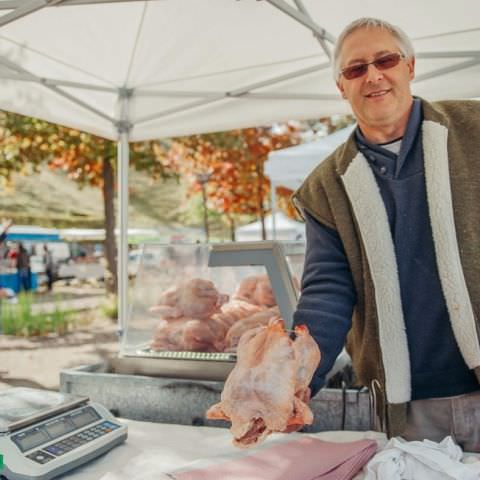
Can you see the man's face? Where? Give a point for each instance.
(379, 98)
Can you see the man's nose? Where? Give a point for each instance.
(373, 73)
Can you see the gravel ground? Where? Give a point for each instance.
(36, 362)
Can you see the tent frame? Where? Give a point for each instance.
(124, 124)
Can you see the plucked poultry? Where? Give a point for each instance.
(256, 290)
(196, 298)
(186, 324)
(234, 311)
(267, 389)
(257, 319)
(188, 334)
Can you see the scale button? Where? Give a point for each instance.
(40, 457)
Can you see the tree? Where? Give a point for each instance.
(233, 162)
(87, 159)
(24, 144)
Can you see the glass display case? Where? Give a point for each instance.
(192, 302)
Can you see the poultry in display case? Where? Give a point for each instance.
(191, 303)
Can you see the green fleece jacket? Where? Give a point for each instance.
(342, 194)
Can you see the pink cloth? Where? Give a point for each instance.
(303, 459)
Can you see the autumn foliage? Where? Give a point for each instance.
(229, 166)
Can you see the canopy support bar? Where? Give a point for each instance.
(320, 39)
(11, 4)
(281, 78)
(233, 94)
(23, 77)
(445, 70)
(123, 154)
(26, 8)
(17, 68)
(302, 18)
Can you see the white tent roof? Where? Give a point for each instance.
(285, 229)
(193, 65)
(290, 166)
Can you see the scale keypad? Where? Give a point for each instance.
(70, 443)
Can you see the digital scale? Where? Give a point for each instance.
(44, 434)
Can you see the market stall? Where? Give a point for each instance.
(147, 69)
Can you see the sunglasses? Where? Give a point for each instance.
(382, 63)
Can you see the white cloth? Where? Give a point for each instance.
(427, 460)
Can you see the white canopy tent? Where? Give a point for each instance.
(285, 229)
(290, 166)
(134, 70)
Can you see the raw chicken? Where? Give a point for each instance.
(196, 298)
(234, 311)
(256, 290)
(196, 318)
(188, 334)
(241, 326)
(259, 396)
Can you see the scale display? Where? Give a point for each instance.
(45, 434)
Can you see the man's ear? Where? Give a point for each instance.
(411, 67)
(341, 90)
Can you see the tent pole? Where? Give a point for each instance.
(123, 128)
(273, 200)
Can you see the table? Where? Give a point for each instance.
(173, 446)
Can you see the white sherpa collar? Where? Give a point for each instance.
(450, 269)
(371, 216)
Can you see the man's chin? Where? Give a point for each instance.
(381, 115)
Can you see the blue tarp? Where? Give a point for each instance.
(33, 237)
(12, 280)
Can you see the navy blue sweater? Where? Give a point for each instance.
(328, 294)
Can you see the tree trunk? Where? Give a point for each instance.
(108, 191)
(261, 210)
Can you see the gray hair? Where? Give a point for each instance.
(404, 43)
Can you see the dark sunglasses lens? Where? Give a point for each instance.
(382, 63)
(388, 61)
(355, 71)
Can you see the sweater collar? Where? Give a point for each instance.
(408, 140)
(349, 149)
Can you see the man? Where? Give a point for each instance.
(49, 266)
(392, 223)
(4, 292)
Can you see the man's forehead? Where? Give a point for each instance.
(365, 44)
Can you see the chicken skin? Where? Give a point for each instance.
(196, 298)
(251, 321)
(256, 290)
(259, 396)
(188, 334)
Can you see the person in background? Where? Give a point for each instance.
(4, 293)
(5, 228)
(49, 266)
(23, 268)
(392, 224)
